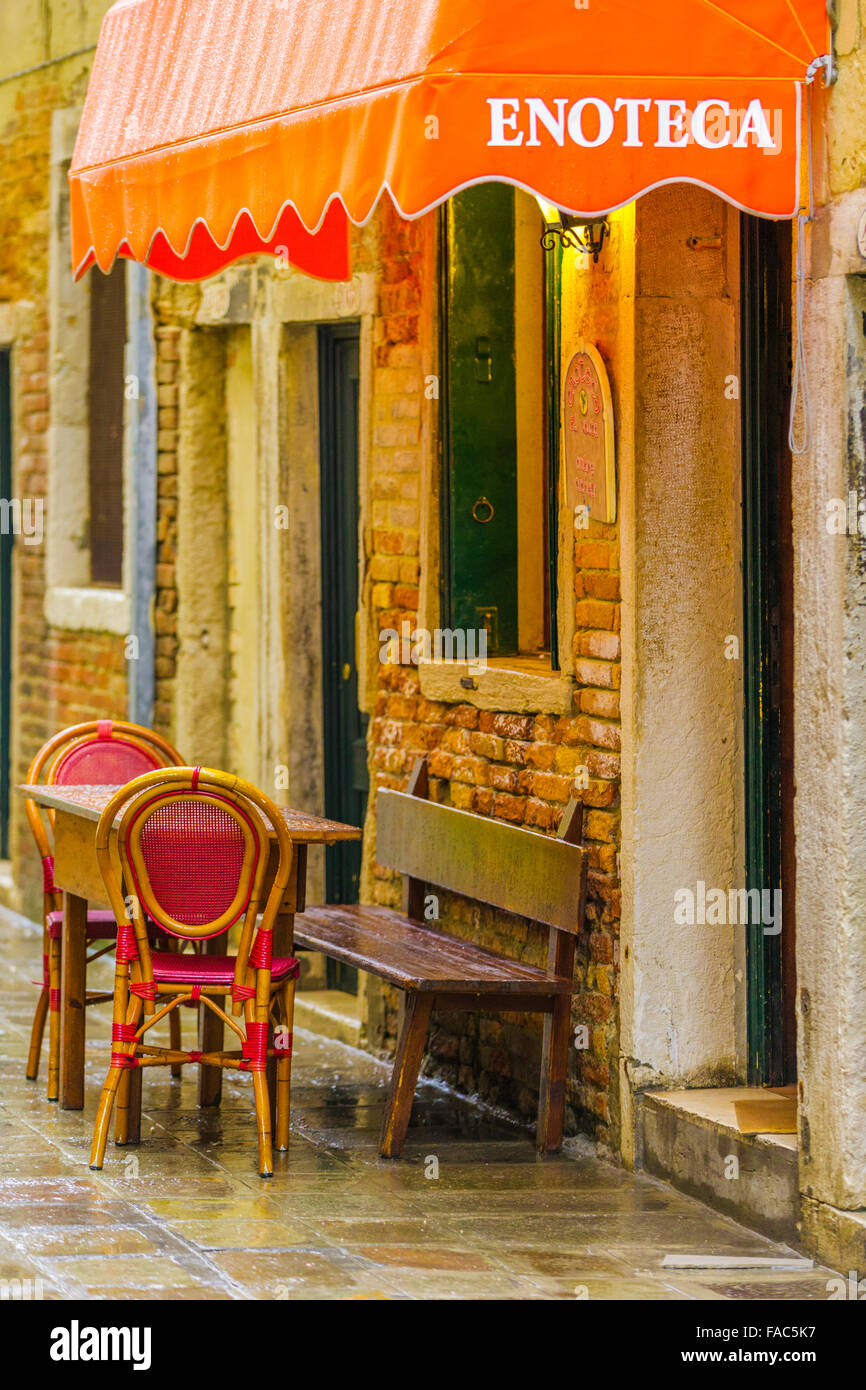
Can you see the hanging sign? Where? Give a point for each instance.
(588, 440)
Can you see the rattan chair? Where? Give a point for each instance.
(194, 847)
(101, 753)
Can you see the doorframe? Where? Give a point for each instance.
(332, 484)
(767, 637)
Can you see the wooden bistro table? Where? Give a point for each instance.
(76, 814)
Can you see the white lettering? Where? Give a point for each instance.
(538, 111)
(711, 125)
(605, 122)
(672, 120)
(699, 123)
(633, 107)
(755, 123)
(500, 122)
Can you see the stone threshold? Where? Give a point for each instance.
(331, 1013)
(691, 1140)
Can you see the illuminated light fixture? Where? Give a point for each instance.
(580, 233)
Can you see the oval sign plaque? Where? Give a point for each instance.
(588, 440)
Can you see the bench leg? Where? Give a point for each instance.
(404, 1078)
(554, 1064)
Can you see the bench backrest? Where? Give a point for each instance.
(533, 875)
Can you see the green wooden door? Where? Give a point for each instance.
(480, 513)
(768, 643)
(346, 782)
(6, 542)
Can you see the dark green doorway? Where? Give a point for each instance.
(6, 543)
(345, 742)
(499, 356)
(480, 515)
(768, 642)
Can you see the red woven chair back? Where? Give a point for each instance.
(193, 855)
(105, 762)
(101, 752)
(194, 852)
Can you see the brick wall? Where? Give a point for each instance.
(59, 677)
(521, 768)
(395, 457)
(165, 608)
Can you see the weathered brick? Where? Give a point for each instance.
(503, 778)
(604, 703)
(592, 612)
(542, 815)
(510, 808)
(601, 825)
(506, 725)
(592, 554)
(595, 732)
(551, 787)
(466, 716)
(487, 746)
(541, 756)
(601, 674)
(603, 764)
(604, 586)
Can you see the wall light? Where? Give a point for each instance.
(580, 233)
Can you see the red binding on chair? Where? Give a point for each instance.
(196, 846)
(103, 752)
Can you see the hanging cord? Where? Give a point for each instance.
(799, 375)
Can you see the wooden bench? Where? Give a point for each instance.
(533, 875)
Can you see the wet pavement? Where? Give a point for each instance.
(469, 1212)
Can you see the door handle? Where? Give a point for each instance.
(483, 360)
(482, 510)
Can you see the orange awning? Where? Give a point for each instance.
(217, 128)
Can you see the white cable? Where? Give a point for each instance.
(799, 375)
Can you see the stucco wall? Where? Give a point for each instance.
(682, 772)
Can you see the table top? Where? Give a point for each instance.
(88, 803)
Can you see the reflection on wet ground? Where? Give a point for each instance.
(469, 1212)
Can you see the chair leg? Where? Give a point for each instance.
(54, 970)
(133, 1123)
(284, 1070)
(263, 1120)
(127, 1115)
(175, 1041)
(103, 1116)
(210, 1079)
(36, 1036)
(404, 1078)
(554, 1064)
(121, 1108)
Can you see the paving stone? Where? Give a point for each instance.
(185, 1215)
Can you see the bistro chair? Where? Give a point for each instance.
(194, 848)
(103, 752)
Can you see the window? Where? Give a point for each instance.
(500, 456)
(105, 422)
(86, 570)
